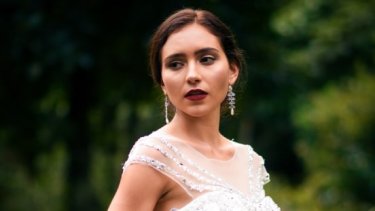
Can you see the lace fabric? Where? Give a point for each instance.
(212, 184)
(227, 201)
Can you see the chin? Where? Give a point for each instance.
(198, 114)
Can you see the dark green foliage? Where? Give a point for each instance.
(76, 93)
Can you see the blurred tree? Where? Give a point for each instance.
(66, 72)
(75, 92)
(328, 49)
(337, 144)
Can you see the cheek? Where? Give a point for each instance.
(220, 79)
(170, 83)
(220, 83)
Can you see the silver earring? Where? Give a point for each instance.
(166, 104)
(231, 100)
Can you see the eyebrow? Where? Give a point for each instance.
(204, 50)
(198, 52)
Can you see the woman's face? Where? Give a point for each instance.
(195, 71)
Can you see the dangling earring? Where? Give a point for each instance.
(166, 104)
(231, 100)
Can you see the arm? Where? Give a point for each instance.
(140, 188)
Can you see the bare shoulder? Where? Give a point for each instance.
(140, 188)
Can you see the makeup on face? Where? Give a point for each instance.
(196, 95)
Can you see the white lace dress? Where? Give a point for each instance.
(213, 185)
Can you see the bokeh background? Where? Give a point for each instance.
(76, 93)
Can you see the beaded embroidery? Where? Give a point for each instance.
(209, 191)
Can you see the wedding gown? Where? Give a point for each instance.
(234, 184)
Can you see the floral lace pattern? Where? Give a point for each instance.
(209, 190)
(227, 201)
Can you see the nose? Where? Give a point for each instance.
(193, 75)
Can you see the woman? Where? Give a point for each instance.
(187, 164)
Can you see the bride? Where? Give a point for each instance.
(188, 164)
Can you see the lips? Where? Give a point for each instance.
(196, 94)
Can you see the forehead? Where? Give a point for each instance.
(190, 38)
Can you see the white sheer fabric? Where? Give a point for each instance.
(212, 184)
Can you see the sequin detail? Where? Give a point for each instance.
(227, 201)
(209, 190)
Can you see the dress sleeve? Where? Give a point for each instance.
(147, 151)
(163, 157)
(264, 175)
(257, 170)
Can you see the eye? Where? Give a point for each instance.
(175, 65)
(207, 60)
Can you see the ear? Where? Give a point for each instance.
(233, 74)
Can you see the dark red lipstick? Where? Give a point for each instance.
(196, 94)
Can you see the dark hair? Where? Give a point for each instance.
(184, 17)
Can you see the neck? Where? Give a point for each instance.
(196, 129)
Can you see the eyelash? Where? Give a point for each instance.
(207, 57)
(205, 60)
(172, 65)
